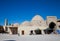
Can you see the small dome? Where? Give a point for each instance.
(37, 18)
(25, 23)
(15, 24)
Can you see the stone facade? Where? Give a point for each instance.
(37, 22)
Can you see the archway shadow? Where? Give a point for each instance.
(50, 29)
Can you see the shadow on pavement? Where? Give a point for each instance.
(9, 40)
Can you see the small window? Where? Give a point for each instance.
(58, 21)
(59, 26)
(40, 21)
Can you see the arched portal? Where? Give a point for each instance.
(52, 25)
(50, 29)
(38, 31)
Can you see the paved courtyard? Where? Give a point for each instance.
(6, 37)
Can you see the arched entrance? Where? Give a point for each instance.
(52, 25)
(50, 29)
(31, 32)
(38, 31)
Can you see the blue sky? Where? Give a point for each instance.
(17, 11)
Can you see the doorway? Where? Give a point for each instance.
(31, 32)
(14, 30)
(22, 32)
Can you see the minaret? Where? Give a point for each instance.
(6, 22)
